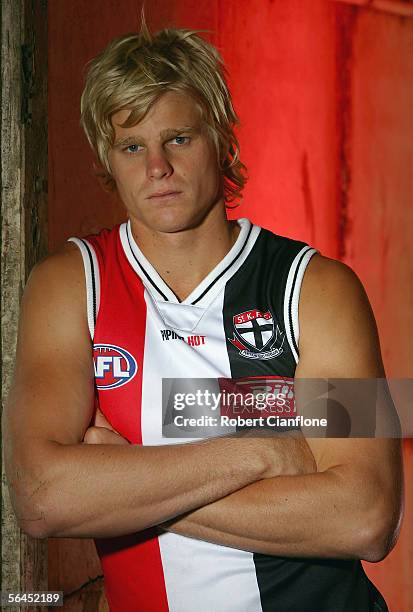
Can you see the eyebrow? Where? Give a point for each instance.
(164, 134)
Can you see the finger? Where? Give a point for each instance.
(101, 420)
(102, 435)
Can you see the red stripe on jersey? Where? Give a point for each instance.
(133, 573)
(131, 564)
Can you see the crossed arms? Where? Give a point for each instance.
(285, 496)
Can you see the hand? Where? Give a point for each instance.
(102, 432)
(293, 456)
(289, 453)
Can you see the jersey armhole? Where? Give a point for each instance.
(92, 279)
(292, 297)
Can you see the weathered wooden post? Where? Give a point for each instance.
(24, 230)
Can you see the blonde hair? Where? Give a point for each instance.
(136, 69)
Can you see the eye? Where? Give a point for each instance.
(132, 148)
(180, 140)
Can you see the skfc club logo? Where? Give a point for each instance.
(256, 335)
(114, 366)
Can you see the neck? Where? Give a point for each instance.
(183, 259)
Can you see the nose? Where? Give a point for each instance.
(158, 165)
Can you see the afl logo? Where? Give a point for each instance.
(114, 366)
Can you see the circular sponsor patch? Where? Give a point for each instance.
(114, 366)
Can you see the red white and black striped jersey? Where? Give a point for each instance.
(241, 322)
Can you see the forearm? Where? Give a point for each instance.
(328, 514)
(108, 490)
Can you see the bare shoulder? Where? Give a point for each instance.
(57, 282)
(61, 271)
(337, 325)
(54, 301)
(52, 390)
(330, 278)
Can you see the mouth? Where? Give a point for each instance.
(163, 195)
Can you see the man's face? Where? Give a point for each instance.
(165, 167)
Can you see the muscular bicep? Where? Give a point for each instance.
(51, 398)
(339, 341)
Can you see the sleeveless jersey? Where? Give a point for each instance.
(241, 322)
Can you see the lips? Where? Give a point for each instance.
(163, 194)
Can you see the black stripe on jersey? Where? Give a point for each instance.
(226, 269)
(260, 284)
(290, 313)
(92, 275)
(143, 269)
(287, 584)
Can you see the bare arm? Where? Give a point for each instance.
(352, 506)
(63, 487)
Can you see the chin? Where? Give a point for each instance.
(174, 221)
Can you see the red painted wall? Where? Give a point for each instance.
(379, 224)
(324, 92)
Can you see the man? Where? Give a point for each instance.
(231, 524)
